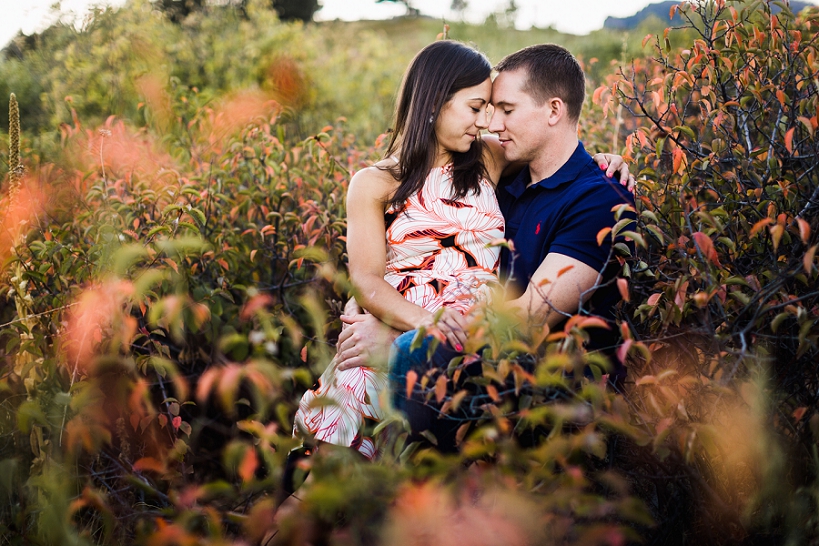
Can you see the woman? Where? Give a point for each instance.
(432, 200)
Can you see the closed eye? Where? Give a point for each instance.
(476, 110)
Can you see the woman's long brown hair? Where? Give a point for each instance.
(436, 73)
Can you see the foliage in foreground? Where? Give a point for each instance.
(167, 301)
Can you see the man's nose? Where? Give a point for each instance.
(496, 123)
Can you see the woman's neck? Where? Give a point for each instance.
(444, 157)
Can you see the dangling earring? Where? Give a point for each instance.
(432, 118)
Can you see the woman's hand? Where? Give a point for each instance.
(451, 324)
(612, 163)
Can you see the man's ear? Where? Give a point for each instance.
(556, 110)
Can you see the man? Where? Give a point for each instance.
(554, 209)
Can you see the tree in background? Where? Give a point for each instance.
(288, 10)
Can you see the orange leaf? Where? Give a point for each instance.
(205, 384)
(622, 286)
(229, 384)
(303, 354)
(493, 393)
(759, 225)
(776, 234)
(804, 230)
(672, 12)
(440, 388)
(601, 235)
(247, 468)
(789, 140)
(706, 246)
(654, 298)
(646, 39)
(412, 377)
(565, 270)
(593, 322)
(798, 413)
(677, 159)
(807, 261)
(149, 463)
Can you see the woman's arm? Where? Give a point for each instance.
(367, 251)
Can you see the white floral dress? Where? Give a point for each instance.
(437, 255)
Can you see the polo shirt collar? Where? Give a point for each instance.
(569, 171)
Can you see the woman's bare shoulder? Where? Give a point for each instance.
(376, 182)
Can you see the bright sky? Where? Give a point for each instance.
(577, 16)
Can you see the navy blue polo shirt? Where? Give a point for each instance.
(563, 213)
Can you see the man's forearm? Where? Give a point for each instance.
(352, 307)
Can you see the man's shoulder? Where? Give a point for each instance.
(593, 187)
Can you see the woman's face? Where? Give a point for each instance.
(462, 118)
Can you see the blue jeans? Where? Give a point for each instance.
(422, 414)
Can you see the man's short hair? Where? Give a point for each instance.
(552, 71)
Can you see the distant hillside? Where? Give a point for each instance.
(661, 10)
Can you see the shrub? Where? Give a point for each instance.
(723, 288)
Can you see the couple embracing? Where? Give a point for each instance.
(421, 220)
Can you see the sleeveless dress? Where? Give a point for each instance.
(437, 256)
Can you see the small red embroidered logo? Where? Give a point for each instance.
(537, 229)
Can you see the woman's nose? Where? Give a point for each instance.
(483, 119)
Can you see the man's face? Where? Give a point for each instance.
(519, 123)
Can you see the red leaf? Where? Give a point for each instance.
(654, 298)
(176, 422)
(798, 413)
(303, 354)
